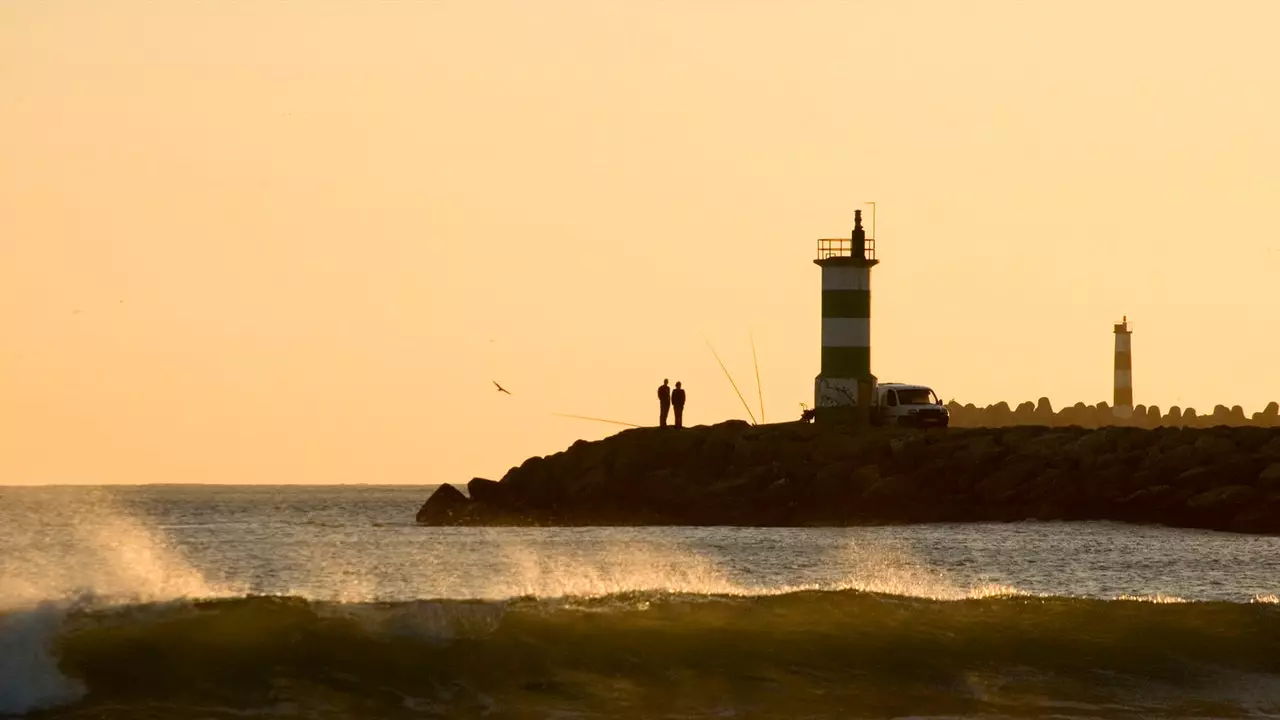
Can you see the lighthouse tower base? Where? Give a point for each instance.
(843, 400)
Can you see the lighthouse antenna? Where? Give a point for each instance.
(731, 382)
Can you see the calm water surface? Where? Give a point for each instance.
(359, 543)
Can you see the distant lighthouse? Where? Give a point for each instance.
(1123, 395)
(845, 381)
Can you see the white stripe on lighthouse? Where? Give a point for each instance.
(846, 278)
(846, 332)
(1122, 342)
(1124, 378)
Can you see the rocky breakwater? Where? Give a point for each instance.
(1102, 415)
(1224, 478)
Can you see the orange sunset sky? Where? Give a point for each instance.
(296, 241)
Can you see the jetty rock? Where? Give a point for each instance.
(798, 474)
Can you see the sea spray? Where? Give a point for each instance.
(108, 552)
(621, 568)
(612, 568)
(110, 560)
(29, 675)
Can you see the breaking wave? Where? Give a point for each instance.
(57, 570)
(628, 630)
(820, 653)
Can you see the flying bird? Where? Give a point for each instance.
(500, 388)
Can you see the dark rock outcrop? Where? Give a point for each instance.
(484, 491)
(446, 506)
(1225, 478)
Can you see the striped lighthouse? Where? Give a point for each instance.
(1123, 395)
(845, 380)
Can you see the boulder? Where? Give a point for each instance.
(1005, 483)
(891, 489)
(1262, 516)
(446, 506)
(1228, 495)
(1213, 508)
(1269, 479)
(1213, 447)
(488, 492)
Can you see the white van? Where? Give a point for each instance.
(910, 405)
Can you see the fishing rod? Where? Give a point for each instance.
(731, 382)
(759, 387)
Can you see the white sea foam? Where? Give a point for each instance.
(1156, 599)
(29, 676)
(103, 556)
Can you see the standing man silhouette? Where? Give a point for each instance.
(664, 403)
(677, 401)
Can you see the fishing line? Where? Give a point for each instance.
(596, 419)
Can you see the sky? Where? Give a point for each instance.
(296, 242)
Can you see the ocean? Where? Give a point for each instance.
(329, 602)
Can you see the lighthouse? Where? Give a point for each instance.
(844, 387)
(1123, 393)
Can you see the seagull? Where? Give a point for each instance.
(500, 388)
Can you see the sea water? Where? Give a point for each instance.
(323, 601)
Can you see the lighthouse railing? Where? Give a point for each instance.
(845, 247)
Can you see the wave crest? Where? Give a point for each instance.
(647, 653)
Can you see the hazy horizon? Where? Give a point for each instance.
(288, 243)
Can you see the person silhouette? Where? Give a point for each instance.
(664, 403)
(677, 402)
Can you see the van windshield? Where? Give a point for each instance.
(917, 396)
